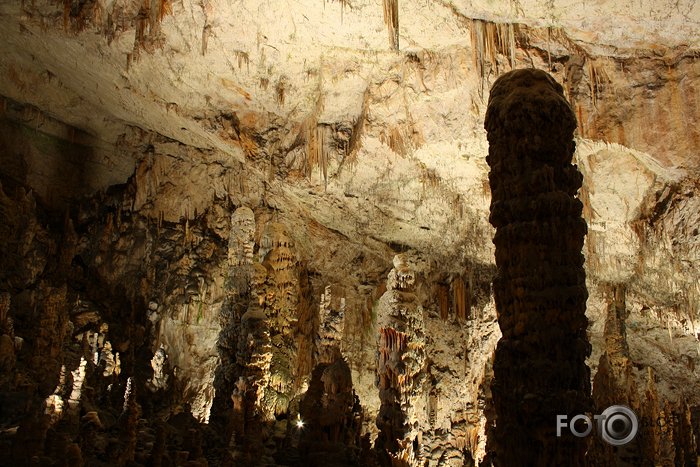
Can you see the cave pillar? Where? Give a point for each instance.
(540, 291)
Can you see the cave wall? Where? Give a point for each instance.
(119, 182)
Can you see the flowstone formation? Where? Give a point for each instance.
(540, 292)
(401, 355)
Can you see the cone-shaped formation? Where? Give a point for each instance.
(540, 291)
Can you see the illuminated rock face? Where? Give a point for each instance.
(540, 291)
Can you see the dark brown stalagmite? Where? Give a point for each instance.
(540, 292)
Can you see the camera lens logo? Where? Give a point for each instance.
(617, 425)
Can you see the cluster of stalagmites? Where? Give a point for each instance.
(400, 359)
(666, 433)
(540, 292)
(258, 341)
(68, 391)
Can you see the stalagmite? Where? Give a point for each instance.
(78, 379)
(255, 353)
(614, 382)
(242, 239)
(111, 360)
(278, 256)
(330, 330)
(401, 355)
(8, 341)
(128, 424)
(160, 378)
(239, 272)
(55, 403)
(540, 292)
(329, 411)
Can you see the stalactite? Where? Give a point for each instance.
(166, 8)
(317, 150)
(142, 21)
(459, 290)
(470, 295)
(549, 53)
(280, 91)
(488, 40)
(391, 19)
(443, 299)
(314, 133)
(511, 44)
(66, 13)
(540, 290)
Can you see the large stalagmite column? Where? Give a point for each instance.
(400, 360)
(540, 292)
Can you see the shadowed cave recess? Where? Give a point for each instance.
(348, 234)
